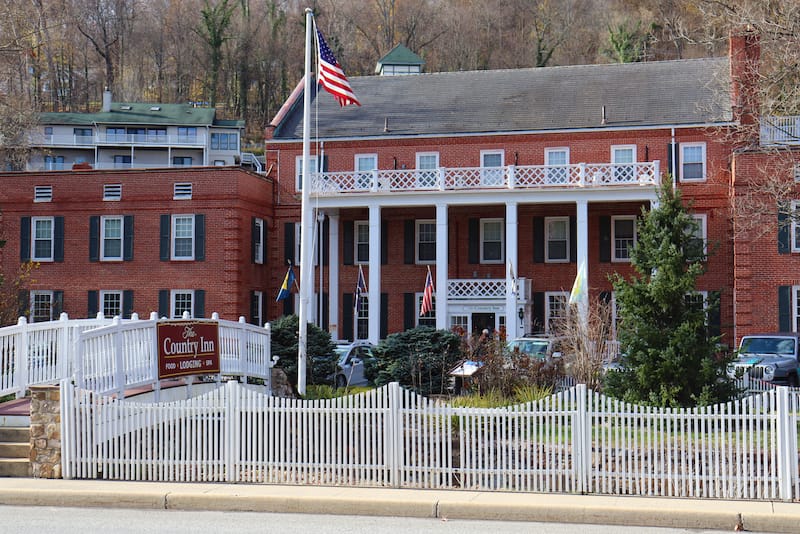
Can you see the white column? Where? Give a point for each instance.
(512, 321)
(334, 315)
(441, 267)
(374, 283)
(582, 233)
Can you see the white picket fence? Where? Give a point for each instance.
(576, 441)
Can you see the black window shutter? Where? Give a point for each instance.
(254, 311)
(199, 237)
(288, 243)
(474, 236)
(348, 229)
(384, 242)
(93, 304)
(409, 311)
(677, 156)
(784, 308)
(127, 238)
(163, 302)
(573, 239)
(347, 317)
(784, 245)
(326, 241)
(253, 239)
(58, 303)
(324, 164)
(199, 303)
(25, 240)
(714, 321)
(326, 312)
(164, 248)
(94, 238)
(604, 225)
(538, 240)
(537, 322)
(24, 302)
(58, 239)
(409, 240)
(384, 327)
(127, 303)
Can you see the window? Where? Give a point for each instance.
(187, 134)
(362, 318)
(427, 169)
(219, 163)
(556, 160)
(182, 191)
(693, 162)
(429, 319)
(364, 165)
(556, 237)
(137, 135)
(697, 243)
(555, 309)
(48, 134)
(111, 241)
(42, 238)
(697, 300)
(157, 135)
(796, 172)
(41, 306)
(112, 191)
(122, 162)
(183, 237)
(181, 300)
(361, 241)
(258, 241)
(426, 241)
(182, 161)
(459, 324)
(257, 305)
(111, 301)
(83, 136)
(623, 158)
(623, 230)
(43, 193)
(298, 168)
(224, 141)
(492, 172)
(115, 135)
(492, 237)
(54, 163)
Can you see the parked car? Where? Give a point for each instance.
(770, 357)
(350, 363)
(536, 346)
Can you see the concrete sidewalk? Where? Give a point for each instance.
(633, 511)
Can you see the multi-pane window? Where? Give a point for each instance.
(224, 141)
(555, 309)
(556, 236)
(362, 318)
(429, 319)
(362, 241)
(42, 238)
(137, 135)
(623, 158)
(83, 136)
(298, 166)
(492, 240)
(111, 242)
(258, 303)
(183, 237)
(556, 160)
(696, 300)
(427, 168)
(697, 243)
(795, 228)
(258, 240)
(187, 134)
(693, 161)
(157, 135)
(492, 167)
(115, 135)
(111, 301)
(182, 161)
(54, 163)
(426, 241)
(182, 300)
(41, 306)
(623, 237)
(122, 161)
(459, 324)
(364, 165)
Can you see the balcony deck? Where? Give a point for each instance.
(142, 140)
(780, 130)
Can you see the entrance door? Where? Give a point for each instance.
(481, 321)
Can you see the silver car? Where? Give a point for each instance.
(350, 364)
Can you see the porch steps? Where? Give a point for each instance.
(15, 451)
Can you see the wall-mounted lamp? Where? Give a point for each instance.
(521, 313)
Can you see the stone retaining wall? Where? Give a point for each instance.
(45, 454)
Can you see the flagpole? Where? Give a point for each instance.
(305, 219)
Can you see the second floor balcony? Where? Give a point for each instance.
(780, 130)
(579, 175)
(124, 139)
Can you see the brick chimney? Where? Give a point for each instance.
(744, 51)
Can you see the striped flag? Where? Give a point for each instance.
(286, 287)
(427, 295)
(361, 287)
(331, 75)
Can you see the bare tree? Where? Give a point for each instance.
(587, 342)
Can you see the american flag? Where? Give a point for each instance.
(331, 75)
(361, 287)
(427, 295)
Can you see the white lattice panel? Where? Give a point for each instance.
(476, 288)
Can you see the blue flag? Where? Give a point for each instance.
(286, 287)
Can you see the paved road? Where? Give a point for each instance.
(59, 520)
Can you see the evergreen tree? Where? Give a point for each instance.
(670, 358)
(321, 359)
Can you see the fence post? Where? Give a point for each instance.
(581, 444)
(232, 438)
(244, 357)
(786, 437)
(21, 357)
(394, 434)
(64, 349)
(119, 362)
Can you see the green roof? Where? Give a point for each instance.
(400, 55)
(143, 113)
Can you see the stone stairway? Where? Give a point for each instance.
(15, 451)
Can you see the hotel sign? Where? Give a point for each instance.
(187, 348)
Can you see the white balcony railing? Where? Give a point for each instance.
(485, 289)
(481, 178)
(119, 139)
(780, 130)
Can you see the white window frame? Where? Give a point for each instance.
(104, 256)
(430, 316)
(702, 226)
(626, 172)
(33, 296)
(461, 322)
(51, 256)
(614, 220)
(102, 303)
(363, 165)
(362, 319)
(795, 310)
(174, 237)
(259, 297)
(549, 308)
(483, 223)
(795, 228)
(356, 256)
(298, 170)
(427, 176)
(547, 257)
(259, 241)
(418, 241)
(173, 295)
(558, 174)
(703, 163)
(492, 174)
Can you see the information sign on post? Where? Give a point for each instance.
(187, 348)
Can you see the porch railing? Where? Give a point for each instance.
(780, 130)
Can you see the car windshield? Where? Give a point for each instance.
(341, 354)
(767, 345)
(531, 347)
